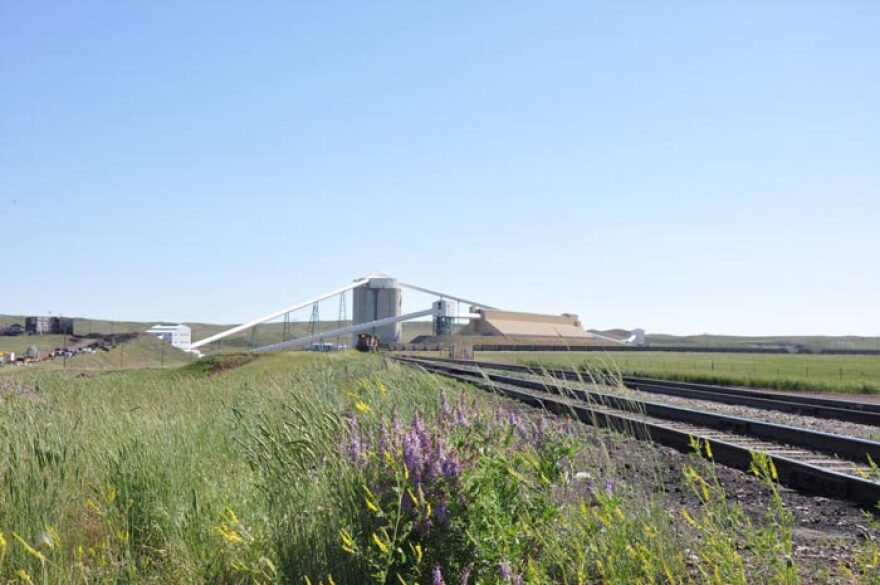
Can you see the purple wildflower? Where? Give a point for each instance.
(418, 427)
(540, 429)
(514, 421)
(445, 411)
(450, 467)
(608, 485)
(437, 576)
(395, 423)
(466, 575)
(442, 517)
(505, 571)
(355, 449)
(412, 457)
(424, 527)
(460, 414)
(382, 447)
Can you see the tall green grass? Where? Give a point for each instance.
(246, 475)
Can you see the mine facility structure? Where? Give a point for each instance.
(48, 326)
(377, 311)
(177, 334)
(811, 461)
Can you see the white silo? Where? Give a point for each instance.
(378, 298)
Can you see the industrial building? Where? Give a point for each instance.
(377, 314)
(377, 299)
(492, 322)
(48, 325)
(180, 336)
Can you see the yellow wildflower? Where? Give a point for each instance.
(668, 573)
(229, 535)
(230, 513)
(708, 450)
(382, 545)
(93, 506)
(23, 575)
(362, 407)
(29, 549)
(688, 518)
(2, 545)
(373, 507)
(347, 542)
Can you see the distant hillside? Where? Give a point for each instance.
(265, 334)
(807, 341)
(273, 332)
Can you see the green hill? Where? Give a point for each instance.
(849, 342)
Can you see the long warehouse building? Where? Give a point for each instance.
(494, 323)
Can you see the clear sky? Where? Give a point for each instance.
(684, 167)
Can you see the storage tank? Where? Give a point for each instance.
(378, 298)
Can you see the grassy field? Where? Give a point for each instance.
(304, 468)
(827, 373)
(812, 342)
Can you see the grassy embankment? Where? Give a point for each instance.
(824, 373)
(292, 468)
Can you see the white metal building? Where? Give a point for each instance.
(179, 335)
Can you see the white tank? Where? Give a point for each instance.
(379, 298)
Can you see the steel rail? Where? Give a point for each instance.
(854, 449)
(827, 408)
(797, 468)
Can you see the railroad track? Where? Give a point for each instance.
(827, 408)
(811, 461)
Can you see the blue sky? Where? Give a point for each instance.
(685, 167)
